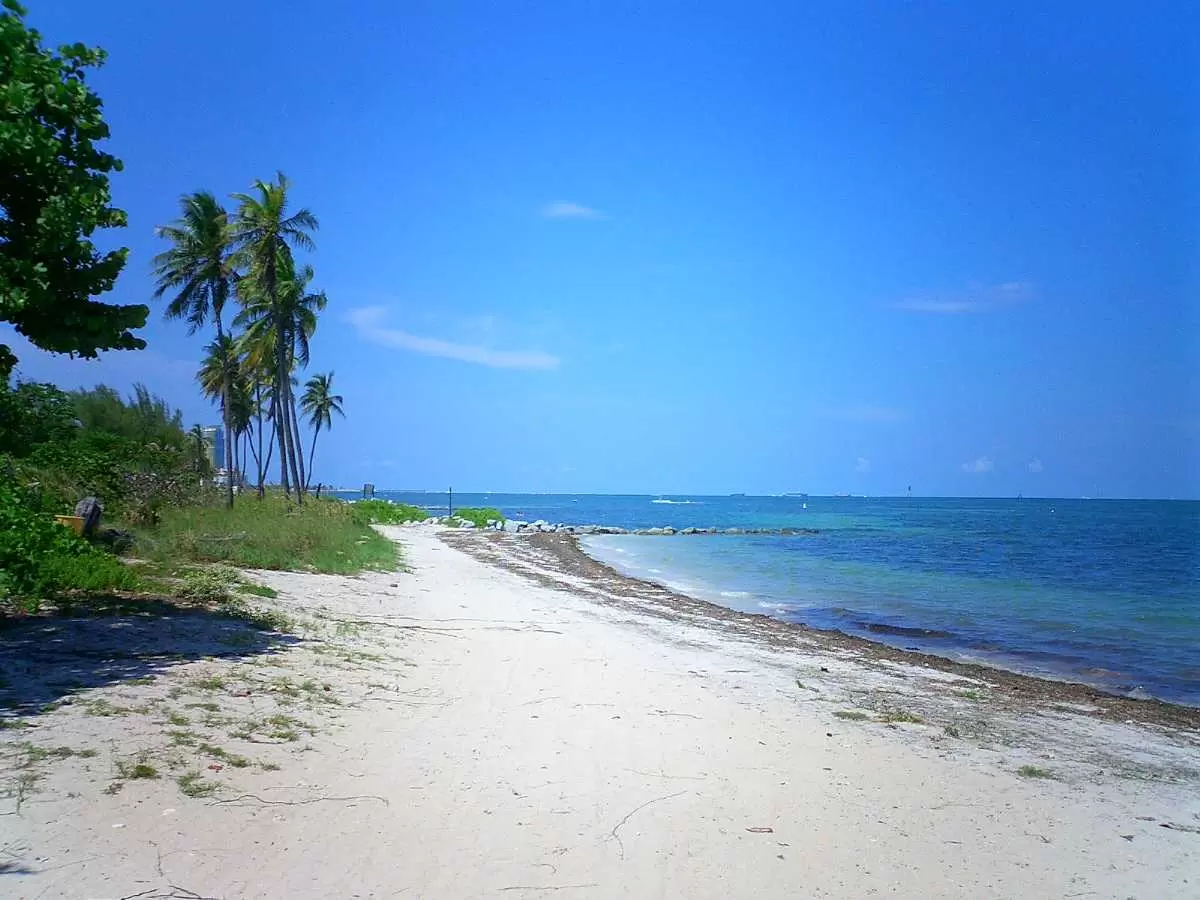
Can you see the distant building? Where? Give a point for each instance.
(214, 443)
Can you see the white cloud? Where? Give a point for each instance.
(976, 466)
(869, 414)
(368, 321)
(1035, 465)
(570, 211)
(976, 298)
(862, 465)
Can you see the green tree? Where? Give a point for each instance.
(198, 270)
(264, 234)
(54, 194)
(319, 403)
(34, 413)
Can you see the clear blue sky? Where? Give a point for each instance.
(701, 247)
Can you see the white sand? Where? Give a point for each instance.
(522, 742)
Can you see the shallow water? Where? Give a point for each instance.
(1105, 592)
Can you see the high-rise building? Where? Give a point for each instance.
(214, 441)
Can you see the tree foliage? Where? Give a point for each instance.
(54, 195)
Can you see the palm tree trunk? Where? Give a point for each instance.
(278, 407)
(297, 442)
(311, 450)
(283, 390)
(290, 429)
(259, 459)
(226, 418)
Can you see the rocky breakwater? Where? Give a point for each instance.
(543, 527)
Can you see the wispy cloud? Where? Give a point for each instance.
(1035, 465)
(369, 322)
(862, 465)
(976, 298)
(978, 466)
(869, 414)
(570, 211)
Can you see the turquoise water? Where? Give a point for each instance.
(1105, 592)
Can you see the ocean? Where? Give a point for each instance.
(1105, 592)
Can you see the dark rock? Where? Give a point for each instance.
(115, 539)
(90, 510)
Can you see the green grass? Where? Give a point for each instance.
(258, 590)
(193, 785)
(210, 683)
(139, 769)
(384, 512)
(232, 759)
(900, 715)
(103, 708)
(852, 715)
(1035, 772)
(322, 535)
(479, 516)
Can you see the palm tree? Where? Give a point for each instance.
(264, 235)
(198, 269)
(319, 403)
(279, 330)
(257, 367)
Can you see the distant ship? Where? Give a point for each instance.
(799, 494)
(737, 495)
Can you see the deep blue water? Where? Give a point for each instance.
(1101, 591)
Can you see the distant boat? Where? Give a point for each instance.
(737, 495)
(799, 494)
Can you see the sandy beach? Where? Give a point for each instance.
(496, 722)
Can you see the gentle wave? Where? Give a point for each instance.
(679, 502)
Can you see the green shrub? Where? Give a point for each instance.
(209, 585)
(479, 517)
(40, 558)
(384, 512)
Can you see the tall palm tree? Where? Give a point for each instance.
(257, 372)
(264, 234)
(279, 329)
(319, 403)
(198, 270)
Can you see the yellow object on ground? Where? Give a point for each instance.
(75, 523)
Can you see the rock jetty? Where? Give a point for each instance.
(541, 526)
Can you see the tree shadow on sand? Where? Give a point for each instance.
(106, 640)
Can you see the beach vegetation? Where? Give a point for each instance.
(220, 753)
(41, 559)
(138, 768)
(479, 516)
(385, 512)
(325, 535)
(319, 403)
(197, 270)
(1036, 772)
(194, 784)
(892, 716)
(852, 715)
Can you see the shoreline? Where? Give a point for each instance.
(1021, 690)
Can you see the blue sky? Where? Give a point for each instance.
(669, 248)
